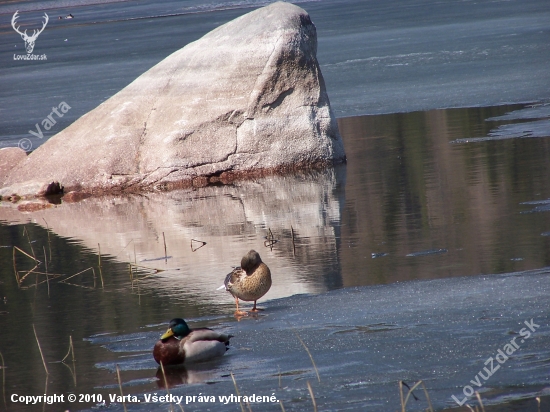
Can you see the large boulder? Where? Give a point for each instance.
(9, 158)
(247, 98)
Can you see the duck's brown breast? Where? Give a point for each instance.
(254, 286)
(168, 352)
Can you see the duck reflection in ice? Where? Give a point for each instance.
(186, 374)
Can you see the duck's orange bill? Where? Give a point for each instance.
(167, 334)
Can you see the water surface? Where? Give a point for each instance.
(424, 196)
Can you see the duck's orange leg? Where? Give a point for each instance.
(255, 309)
(238, 312)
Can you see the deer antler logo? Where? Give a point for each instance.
(29, 40)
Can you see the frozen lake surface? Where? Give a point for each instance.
(365, 339)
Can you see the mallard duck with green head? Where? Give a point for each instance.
(249, 282)
(180, 344)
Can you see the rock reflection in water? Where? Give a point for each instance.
(302, 211)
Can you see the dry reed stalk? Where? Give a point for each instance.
(76, 274)
(21, 279)
(164, 376)
(282, 406)
(409, 394)
(165, 253)
(99, 264)
(120, 386)
(308, 352)
(478, 396)
(45, 258)
(40, 349)
(15, 268)
(3, 380)
(197, 248)
(293, 242)
(270, 239)
(26, 254)
(430, 407)
(166, 384)
(237, 390)
(49, 242)
(25, 231)
(46, 263)
(401, 396)
(71, 350)
(310, 389)
(146, 268)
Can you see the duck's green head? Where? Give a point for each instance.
(178, 329)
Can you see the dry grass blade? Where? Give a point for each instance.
(17, 278)
(237, 390)
(120, 386)
(282, 406)
(194, 249)
(469, 407)
(270, 239)
(49, 242)
(430, 407)
(181, 407)
(153, 271)
(45, 258)
(310, 389)
(40, 349)
(99, 263)
(308, 352)
(26, 254)
(29, 239)
(164, 376)
(46, 263)
(72, 371)
(416, 385)
(165, 252)
(47, 280)
(15, 268)
(401, 396)
(293, 242)
(3, 380)
(71, 350)
(76, 274)
(21, 279)
(478, 396)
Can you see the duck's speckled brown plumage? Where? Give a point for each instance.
(250, 281)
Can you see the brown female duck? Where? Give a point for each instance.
(249, 282)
